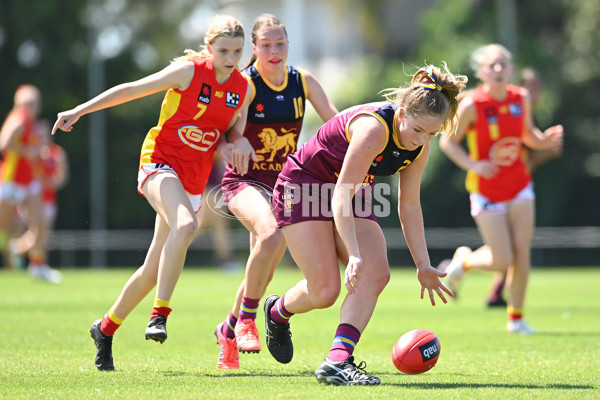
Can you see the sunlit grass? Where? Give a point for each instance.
(46, 351)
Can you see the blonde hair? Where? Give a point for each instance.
(220, 26)
(26, 92)
(432, 92)
(480, 54)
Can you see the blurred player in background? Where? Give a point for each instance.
(53, 170)
(337, 167)
(275, 116)
(21, 145)
(531, 80)
(206, 101)
(496, 119)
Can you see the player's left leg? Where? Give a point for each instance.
(165, 193)
(373, 275)
(521, 216)
(38, 266)
(137, 287)
(254, 211)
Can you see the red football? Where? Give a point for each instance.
(416, 351)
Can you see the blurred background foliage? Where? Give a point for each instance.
(47, 43)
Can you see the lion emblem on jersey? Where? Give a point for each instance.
(272, 143)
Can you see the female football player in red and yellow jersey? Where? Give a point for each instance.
(206, 100)
(496, 120)
(21, 144)
(52, 170)
(275, 116)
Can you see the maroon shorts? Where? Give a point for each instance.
(233, 183)
(310, 200)
(231, 188)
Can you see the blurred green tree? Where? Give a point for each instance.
(48, 44)
(559, 38)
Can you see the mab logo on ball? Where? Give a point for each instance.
(430, 350)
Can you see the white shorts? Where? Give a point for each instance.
(146, 170)
(482, 205)
(50, 209)
(14, 193)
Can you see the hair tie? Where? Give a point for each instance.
(431, 83)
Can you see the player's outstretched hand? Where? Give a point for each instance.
(429, 278)
(65, 121)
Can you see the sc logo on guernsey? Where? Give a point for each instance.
(198, 139)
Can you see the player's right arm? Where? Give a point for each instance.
(317, 97)
(177, 75)
(368, 138)
(12, 128)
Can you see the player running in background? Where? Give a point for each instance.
(496, 120)
(337, 168)
(206, 99)
(275, 116)
(53, 170)
(21, 145)
(531, 80)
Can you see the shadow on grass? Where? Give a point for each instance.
(408, 385)
(449, 385)
(233, 374)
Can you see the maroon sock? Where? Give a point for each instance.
(228, 326)
(248, 308)
(498, 288)
(279, 314)
(344, 342)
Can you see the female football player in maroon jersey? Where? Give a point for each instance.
(324, 202)
(275, 117)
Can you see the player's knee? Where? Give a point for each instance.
(381, 280)
(270, 239)
(325, 296)
(186, 230)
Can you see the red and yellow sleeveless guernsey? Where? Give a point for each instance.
(192, 123)
(496, 136)
(14, 167)
(49, 168)
(274, 122)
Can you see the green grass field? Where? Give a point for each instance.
(46, 351)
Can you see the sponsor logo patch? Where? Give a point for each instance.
(204, 96)
(197, 138)
(232, 100)
(430, 350)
